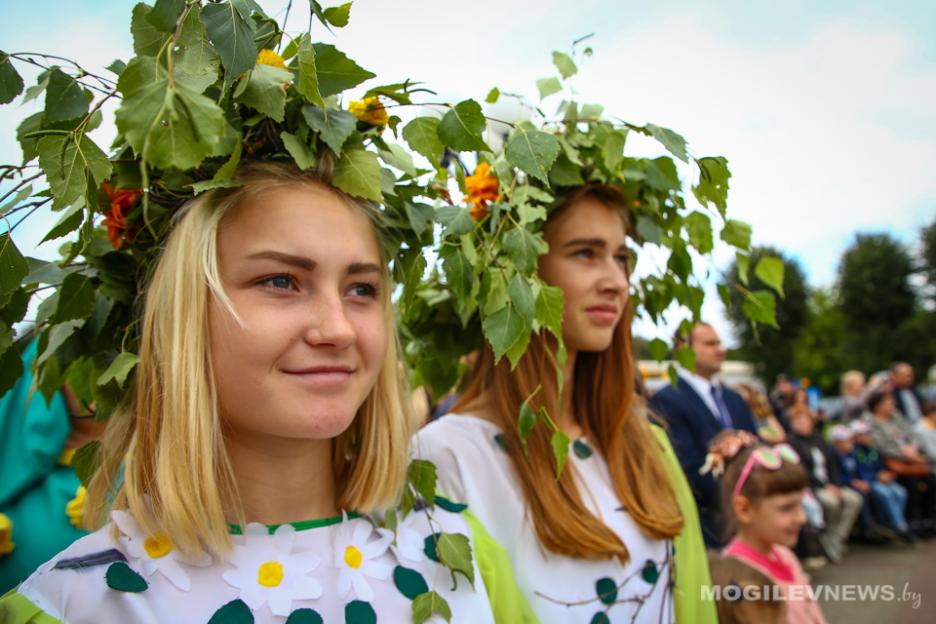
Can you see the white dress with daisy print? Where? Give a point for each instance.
(474, 466)
(337, 570)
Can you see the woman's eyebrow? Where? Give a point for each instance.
(356, 268)
(591, 242)
(300, 262)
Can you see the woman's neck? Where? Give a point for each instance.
(746, 536)
(283, 480)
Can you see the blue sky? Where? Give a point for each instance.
(825, 110)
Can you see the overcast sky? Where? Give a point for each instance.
(826, 110)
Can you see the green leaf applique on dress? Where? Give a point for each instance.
(359, 612)
(581, 449)
(234, 612)
(410, 582)
(304, 616)
(119, 576)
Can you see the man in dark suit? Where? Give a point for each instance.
(909, 401)
(696, 410)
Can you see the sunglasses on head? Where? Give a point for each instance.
(769, 458)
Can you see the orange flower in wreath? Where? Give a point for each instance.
(482, 188)
(121, 201)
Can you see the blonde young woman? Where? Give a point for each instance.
(597, 544)
(266, 420)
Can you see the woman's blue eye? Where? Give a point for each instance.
(364, 290)
(278, 282)
(585, 253)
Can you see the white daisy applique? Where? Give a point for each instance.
(267, 571)
(154, 552)
(356, 555)
(409, 543)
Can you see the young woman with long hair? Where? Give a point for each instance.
(596, 543)
(267, 421)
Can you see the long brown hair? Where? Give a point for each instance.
(603, 399)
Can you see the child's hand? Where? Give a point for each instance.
(885, 476)
(862, 486)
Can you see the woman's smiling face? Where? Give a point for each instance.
(303, 272)
(588, 259)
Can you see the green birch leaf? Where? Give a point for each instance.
(492, 96)
(524, 248)
(428, 604)
(232, 36)
(119, 369)
(308, 84)
(533, 151)
(686, 357)
(334, 129)
(737, 234)
(713, 182)
(548, 86)
(76, 299)
(530, 214)
(761, 307)
(674, 143)
(770, 271)
(612, 149)
(410, 582)
(265, 92)
(11, 83)
(358, 173)
(458, 272)
(502, 329)
(744, 266)
(11, 369)
(526, 422)
(564, 64)
(560, 447)
(397, 157)
(422, 136)
(456, 220)
(521, 296)
(298, 150)
(658, 349)
(14, 309)
(170, 127)
(165, 14)
(319, 14)
(455, 554)
(549, 309)
(197, 63)
(222, 177)
(724, 293)
(565, 173)
(147, 39)
(67, 162)
(57, 337)
(700, 232)
(336, 72)
(462, 127)
(65, 99)
(22, 194)
(420, 216)
(338, 16)
(421, 474)
(13, 267)
(494, 287)
(518, 348)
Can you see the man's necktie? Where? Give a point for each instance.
(723, 416)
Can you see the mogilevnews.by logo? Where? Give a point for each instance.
(827, 593)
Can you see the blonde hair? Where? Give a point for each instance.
(851, 381)
(188, 490)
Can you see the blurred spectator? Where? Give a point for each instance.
(926, 430)
(768, 427)
(781, 398)
(853, 395)
(695, 411)
(909, 401)
(896, 441)
(841, 506)
(890, 498)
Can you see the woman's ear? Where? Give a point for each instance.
(743, 509)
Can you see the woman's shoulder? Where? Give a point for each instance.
(465, 435)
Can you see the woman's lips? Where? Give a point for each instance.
(322, 376)
(603, 314)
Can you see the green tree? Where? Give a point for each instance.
(818, 352)
(769, 349)
(875, 298)
(928, 252)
